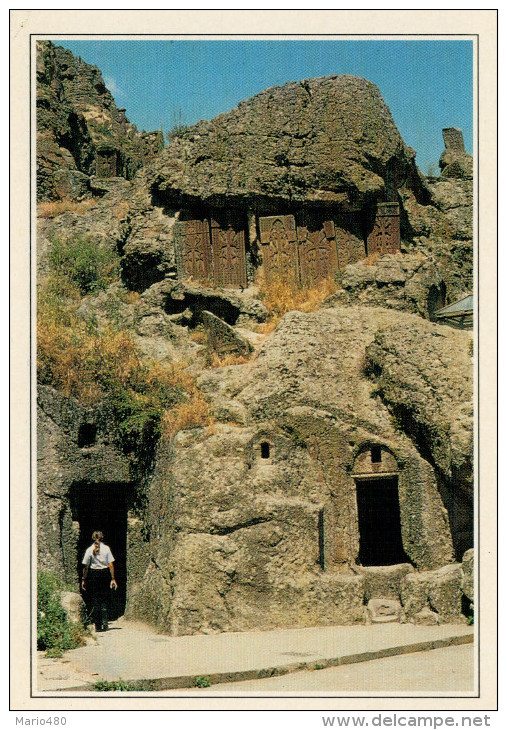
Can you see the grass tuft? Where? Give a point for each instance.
(53, 208)
(193, 413)
(118, 685)
(93, 361)
(55, 633)
(281, 296)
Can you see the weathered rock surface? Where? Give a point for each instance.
(384, 581)
(424, 376)
(443, 230)
(437, 590)
(76, 117)
(425, 617)
(222, 337)
(244, 518)
(319, 140)
(409, 282)
(74, 606)
(232, 306)
(74, 447)
(99, 218)
(467, 583)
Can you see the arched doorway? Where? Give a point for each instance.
(378, 508)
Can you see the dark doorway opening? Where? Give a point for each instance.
(104, 506)
(378, 510)
(87, 435)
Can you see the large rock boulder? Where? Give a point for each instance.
(442, 226)
(254, 524)
(438, 590)
(321, 140)
(409, 282)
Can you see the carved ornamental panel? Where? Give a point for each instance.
(107, 164)
(318, 257)
(229, 260)
(279, 247)
(193, 250)
(385, 236)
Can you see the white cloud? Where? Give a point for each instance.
(113, 87)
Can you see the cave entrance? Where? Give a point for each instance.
(104, 506)
(378, 509)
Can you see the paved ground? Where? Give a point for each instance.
(438, 671)
(135, 653)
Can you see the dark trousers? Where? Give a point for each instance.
(99, 581)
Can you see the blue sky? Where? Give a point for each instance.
(427, 85)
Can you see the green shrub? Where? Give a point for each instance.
(178, 129)
(87, 264)
(118, 685)
(55, 633)
(201, 681)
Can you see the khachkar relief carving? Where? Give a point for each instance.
(229, 260)
(298, 255)
(279, 247)
(193, 250)
(385, 236)
(318, 257)
(107, 163)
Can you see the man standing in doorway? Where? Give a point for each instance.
(98, 579)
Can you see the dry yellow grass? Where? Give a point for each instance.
(216, 361)
(281, 296)
(267, 327)
(371, 259)
(121, 209)
(198, 336)
(131, 297)
(52, 208)
(194, 413)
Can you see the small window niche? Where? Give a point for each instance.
(265, 450)
(87, 435)
(376, 454)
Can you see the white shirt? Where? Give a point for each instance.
(101, 559)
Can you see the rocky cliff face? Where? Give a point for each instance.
(443, 231)
(337, 464)
(77, 119)
(255, 523)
